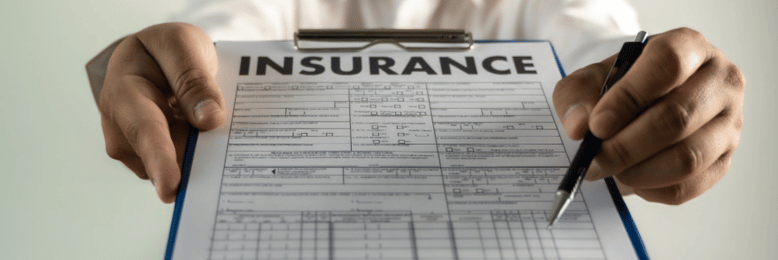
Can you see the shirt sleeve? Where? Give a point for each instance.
(242, 20)
(582, 31)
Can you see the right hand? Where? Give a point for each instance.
(157, 80)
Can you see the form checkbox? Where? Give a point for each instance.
(449, 149)
(471, 149)
(419, 93)
(401, 141)
(376, 141)
(364, 99)
(400, 134)
(328, 134)
(375, 134)
(375, 127)
(457, 191)
(400, 127)
(373, 106)
(479, 190)
(398, 113)
(396, 106)
(420, 99)
(374, 113)
(422, 106)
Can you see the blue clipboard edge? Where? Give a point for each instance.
(191, 142)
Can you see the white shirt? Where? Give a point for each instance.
(581, 31)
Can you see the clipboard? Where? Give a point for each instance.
(336, 40)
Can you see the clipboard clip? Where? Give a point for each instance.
(339, 40)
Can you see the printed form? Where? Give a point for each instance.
(388, 154)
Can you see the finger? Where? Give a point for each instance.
(118, 148)
(142, 122)
(667, 61)
(575, 96)
(677, 194)
(685, 159)
(188, 59)
(668, 121)
(141, 112)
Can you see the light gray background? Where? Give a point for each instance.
(61, 197)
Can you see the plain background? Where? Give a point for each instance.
(61, 197)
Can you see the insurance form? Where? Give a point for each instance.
(388, 154)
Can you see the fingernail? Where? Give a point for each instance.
(205, 108)
(594, 173)
(573, 115)
(603, 124)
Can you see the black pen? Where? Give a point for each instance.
(591, 144)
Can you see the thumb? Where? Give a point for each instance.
(188, 59)
(575, 97)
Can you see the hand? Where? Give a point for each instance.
(157, 80)
(669, 126)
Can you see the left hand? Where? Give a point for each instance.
(669, 126)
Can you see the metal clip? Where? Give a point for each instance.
(338, 40)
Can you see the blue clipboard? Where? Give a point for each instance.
(191, 142)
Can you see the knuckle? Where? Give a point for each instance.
(673, 119)
(629, 100)
(103, 103)
(179, 30)
(734, 77)
(183, 34)
(673, 195)
(192, 83)
(134, 130)
(689, 33)
(116, 152)
(737, 123)
(108, 98)
(672, 60)
(175, 30)
(689, 159)
(619, 154)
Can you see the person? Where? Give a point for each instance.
(670, 126)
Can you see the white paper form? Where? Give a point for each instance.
(387, 154)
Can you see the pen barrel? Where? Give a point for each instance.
(583, 158)
(629, 53)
